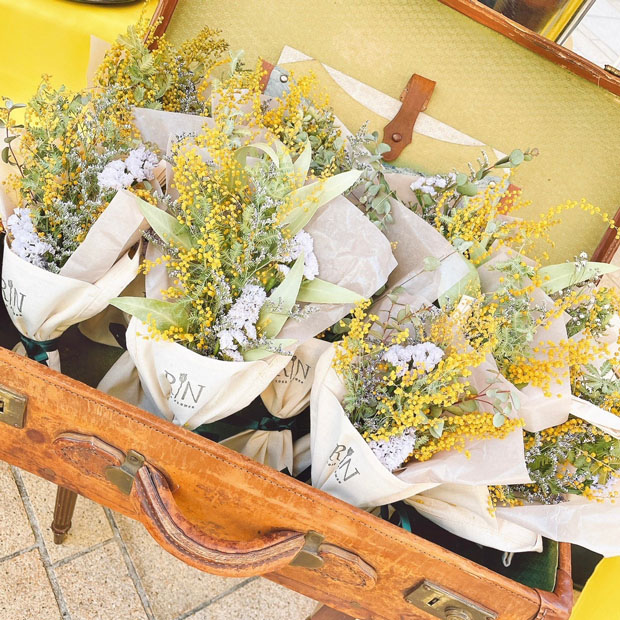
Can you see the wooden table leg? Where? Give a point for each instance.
(63, 513)
(327, 613)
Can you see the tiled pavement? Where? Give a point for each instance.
(109, 568)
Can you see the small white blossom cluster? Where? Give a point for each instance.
(302, 242)
(424, 356)
(393, 452)
(26, 243)
(429, 185)
(138, 166)
(238, 328)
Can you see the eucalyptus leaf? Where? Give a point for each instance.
(319, 291)
(308, 199)
(252, 150)
(437, 429)
(166, 225)
(516, 157)
(467, 189)
(166, 314)
(302, 164)
(283, 297)
(431, 263)
(498, 420)
(468, 284)
(558, 277)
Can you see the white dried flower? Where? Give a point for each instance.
(302, 242)
(423, 356)
(138, 166)
(140, 163)
(26, 242)
(393, 452)
(115, 176)
(238, 327)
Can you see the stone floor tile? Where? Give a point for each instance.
(89, 525)
(258, 600)
(173, 588)
(97, 586)
(25, 592)
(15, 530)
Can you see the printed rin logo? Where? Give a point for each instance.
(295, 370)
(345, 470)
(13, 299)
(183, 392)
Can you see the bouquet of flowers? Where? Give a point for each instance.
(243, 245)
(70, 211)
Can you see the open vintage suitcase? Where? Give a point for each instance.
(225, 514)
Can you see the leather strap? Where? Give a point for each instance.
(399, 131)
(557, 605)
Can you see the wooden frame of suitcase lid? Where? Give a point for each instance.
(226, 514)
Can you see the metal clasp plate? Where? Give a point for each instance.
(309, 557)
(12, 407)
(124, 476)
(447, 605)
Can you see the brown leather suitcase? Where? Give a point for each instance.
(225, 514)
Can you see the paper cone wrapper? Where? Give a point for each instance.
(43, 305)
(588, 523)
(190, 389)
(272, 448)
(464, 511)
(289, 393)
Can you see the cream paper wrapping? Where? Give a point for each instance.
(289, 393)
(537, 410)
(43, 305)
(464, 511)
(578, 520)
(190, 389)
(344, 465)
(272, 448)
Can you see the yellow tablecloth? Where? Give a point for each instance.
(53, 37)
(600, 599)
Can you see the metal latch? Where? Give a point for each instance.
(447, 605)
(12, 407)
(124, 476)
(308, 556)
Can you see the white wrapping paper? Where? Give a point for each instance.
(464, 511)
(43, 305)
(289, 393)
(190, 389)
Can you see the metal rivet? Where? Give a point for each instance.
(397, 137)
(284, 78)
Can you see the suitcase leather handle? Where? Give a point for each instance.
(152, 497)
(167, 525)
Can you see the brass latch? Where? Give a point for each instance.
(309, 556)
(12, 407)
(124, 476)
(447, 605)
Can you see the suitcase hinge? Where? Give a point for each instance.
(309, 556)
(123, 477)
(12, 407)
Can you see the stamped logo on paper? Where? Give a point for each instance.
(342, 458)
(13, 299)
(295, 370)
(184, 392)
